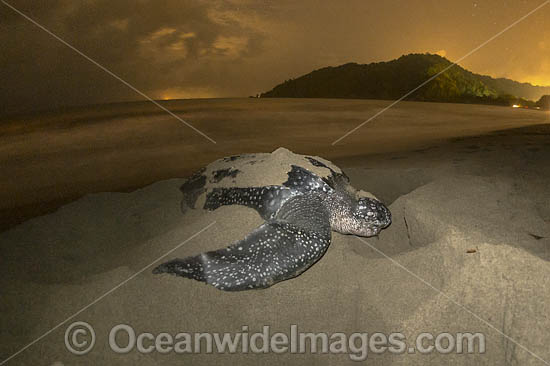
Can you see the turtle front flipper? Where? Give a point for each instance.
(275, 251)
(265, 200)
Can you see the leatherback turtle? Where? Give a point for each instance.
(301, 198)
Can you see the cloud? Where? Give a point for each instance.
(232, 47)
(153, 45)
(166, 45)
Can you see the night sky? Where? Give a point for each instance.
(196, 49)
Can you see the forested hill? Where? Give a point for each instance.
(393, 79)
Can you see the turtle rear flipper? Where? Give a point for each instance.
(277, 250)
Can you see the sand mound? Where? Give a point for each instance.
(482, 209)
(251, 170)
(54, 265)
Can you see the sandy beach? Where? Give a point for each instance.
(90, 202)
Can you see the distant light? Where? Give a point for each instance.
(537, 107)
(516, 106)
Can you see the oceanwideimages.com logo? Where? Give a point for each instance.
(80, 339)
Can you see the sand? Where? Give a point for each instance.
(468, 251)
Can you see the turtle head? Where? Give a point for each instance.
(370, 216)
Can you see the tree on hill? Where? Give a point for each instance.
(544, 102)
(393, 79)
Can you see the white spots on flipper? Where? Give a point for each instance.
(273, 252)
(305, 181)
(266, 200)
(191, 267)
